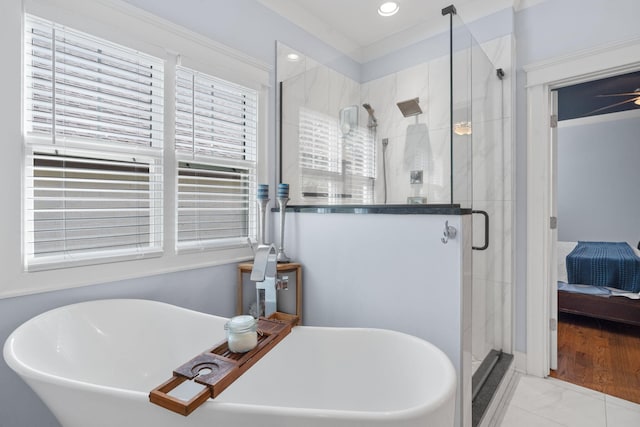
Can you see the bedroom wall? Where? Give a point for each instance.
(598, 177)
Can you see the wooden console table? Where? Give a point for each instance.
(283, 270)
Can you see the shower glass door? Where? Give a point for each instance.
(478, 147)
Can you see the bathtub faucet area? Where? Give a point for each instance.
(264, 273)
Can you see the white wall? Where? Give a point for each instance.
(598, 176)
(392, 272)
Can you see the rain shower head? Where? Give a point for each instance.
(410, 107)
(373, 122)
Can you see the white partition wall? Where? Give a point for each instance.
(393, 272)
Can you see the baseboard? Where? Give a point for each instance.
(520, 360)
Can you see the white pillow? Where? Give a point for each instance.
(563, 249)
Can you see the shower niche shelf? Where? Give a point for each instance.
(223, 368)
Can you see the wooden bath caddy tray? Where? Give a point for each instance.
(225, 366)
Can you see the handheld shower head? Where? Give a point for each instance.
(348, 117)
(373, 122)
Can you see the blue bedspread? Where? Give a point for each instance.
(611, 264)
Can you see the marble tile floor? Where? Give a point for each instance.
(547, 402)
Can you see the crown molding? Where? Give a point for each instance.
(468, 10)
(123, 7)
(314, 26)
(586, 62)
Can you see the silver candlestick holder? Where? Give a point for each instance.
(283, 198)
(282, 203)
(262, 198)
(262, 211)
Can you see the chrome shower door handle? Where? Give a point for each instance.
(449, 232)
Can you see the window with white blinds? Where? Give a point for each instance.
(93, 149)
(335, 168)
(216, 148)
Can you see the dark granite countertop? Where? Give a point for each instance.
(417, 209)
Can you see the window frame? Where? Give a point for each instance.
(76, 58)
(152, 35)
(202, 153)
(72, 259)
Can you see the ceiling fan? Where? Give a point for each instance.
(635, 98)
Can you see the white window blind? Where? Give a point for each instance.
(216, 143)
(93, 148)
(319, 143)
(334, 167)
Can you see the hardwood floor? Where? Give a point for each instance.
(600, 355)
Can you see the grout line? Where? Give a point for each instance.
(536, 415)
(620, 402)
(514, 383)
(587, 393)
(566, 385)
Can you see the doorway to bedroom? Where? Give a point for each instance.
(596, 174)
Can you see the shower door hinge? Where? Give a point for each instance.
(553, 324)
(553, 222)
(554, 121)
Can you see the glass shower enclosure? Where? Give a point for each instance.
(421, 125)
(479, 181)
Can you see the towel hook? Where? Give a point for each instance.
(449, 232)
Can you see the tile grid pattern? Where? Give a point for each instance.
(547, 402)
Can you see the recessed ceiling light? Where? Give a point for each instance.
(388, 8)
(293, 57)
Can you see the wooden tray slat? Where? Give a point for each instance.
(225, 367)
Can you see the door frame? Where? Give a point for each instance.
(591, 64)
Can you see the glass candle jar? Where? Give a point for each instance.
(241, 333)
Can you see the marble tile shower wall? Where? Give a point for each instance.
(492, 168)
(426, 149)
(324, 91)
(493, 160)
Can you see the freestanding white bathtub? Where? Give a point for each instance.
(94, 364)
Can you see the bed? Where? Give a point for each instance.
(599, 279)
